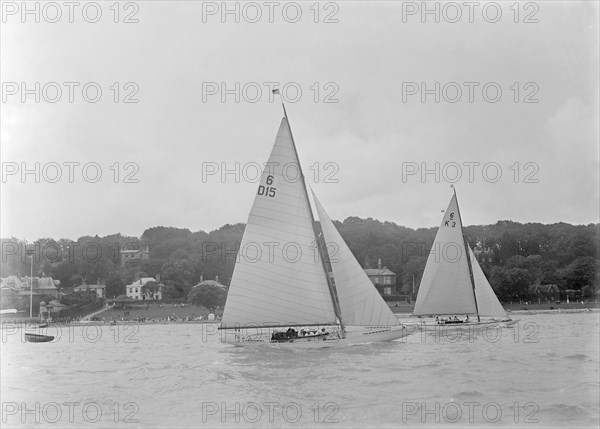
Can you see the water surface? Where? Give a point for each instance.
(542, 373)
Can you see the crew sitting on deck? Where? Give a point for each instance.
(278, 336)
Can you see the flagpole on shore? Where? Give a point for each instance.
(30, 252)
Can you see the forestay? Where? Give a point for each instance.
(360, 302)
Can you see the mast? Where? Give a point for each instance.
(467, 253)
(30, 252)
(336, 307)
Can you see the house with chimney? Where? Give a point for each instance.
(99, 288)
(383, 279)
(16, 292)
(45, 286)
(40, 285)
(485, 255)
(134, 290)
(134, 256)
(548, 292)
(214, 283)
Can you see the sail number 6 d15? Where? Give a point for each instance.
(267, 191)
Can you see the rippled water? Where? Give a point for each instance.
(542, 373)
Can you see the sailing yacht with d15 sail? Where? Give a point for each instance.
(289, 299)
(453, 283)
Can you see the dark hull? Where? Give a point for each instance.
(298, 338)
(37, 338)
(359, 336)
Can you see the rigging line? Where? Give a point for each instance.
(468, 255)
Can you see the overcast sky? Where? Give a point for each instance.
(368, 144)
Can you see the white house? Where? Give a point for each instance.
(134, 290)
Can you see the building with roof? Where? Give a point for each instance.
(134, 290)
(98, 289)
(16, 293)
(40, 285)
(45, 286)
(383, 279)
(9, 296)
(132, 257)
(13, 282)
(485, 255)
(549, 292)
(214, 283)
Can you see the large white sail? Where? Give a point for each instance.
(360, 303)
(446, 284)
(487, 301)
(276, 280)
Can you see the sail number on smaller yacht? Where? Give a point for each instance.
(268, 191)
(447, 222)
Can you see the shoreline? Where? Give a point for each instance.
(110, 323)
(6, 323)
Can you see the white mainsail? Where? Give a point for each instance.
(487, 301)
(284, 285)
(446, 285)
(360, 303)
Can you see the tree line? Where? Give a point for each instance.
(515, 256)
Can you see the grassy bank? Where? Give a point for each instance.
(157, 312)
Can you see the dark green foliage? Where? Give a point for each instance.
(524, 255)
(583, 271)
(114, 286)
(150, 288)
(207, 296)
(79, 298)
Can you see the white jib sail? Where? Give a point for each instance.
(446, 284)
(277, 280)
(487, 301)
(360, 302)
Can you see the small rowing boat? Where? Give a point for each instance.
(38, 338)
